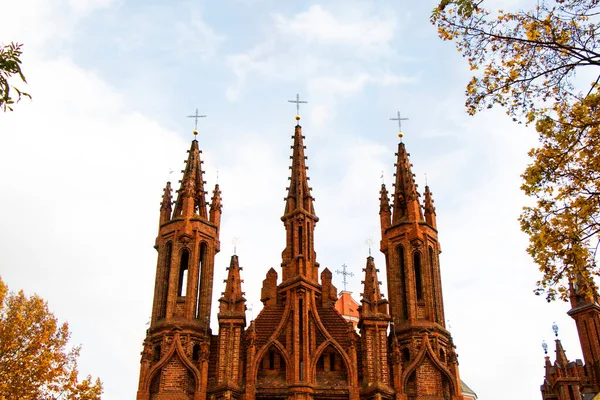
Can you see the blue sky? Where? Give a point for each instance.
(85, 161)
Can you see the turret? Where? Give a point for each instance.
(165, 205)
(385, 213)
(232, 320)
(429, 209)
(216, 207)
(373, 324)
(179, 334)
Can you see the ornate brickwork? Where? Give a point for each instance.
(299, 346)
(576, 380)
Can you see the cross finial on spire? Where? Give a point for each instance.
(235, 241)
(345, 274)
(399, 119)
(369, 242)
(297, 101)
(196, 116)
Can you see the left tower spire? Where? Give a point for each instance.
(178, 339)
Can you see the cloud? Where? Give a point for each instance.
(333, 51)
(324, 27)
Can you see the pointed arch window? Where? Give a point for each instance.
(165, 280)
(434, 287)
(201, 266)
(418, 275)
(402, 281)
(183, 273)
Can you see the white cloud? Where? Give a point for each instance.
(333, 51)
(339, 28)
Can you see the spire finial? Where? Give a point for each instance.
(297, 101)
(545, 347)
(555, 329)
(196, 116)
(369, 242)
(235, 241)
(382, 179)
(399, 119)
(345, 274)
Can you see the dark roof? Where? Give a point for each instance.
(466, 389)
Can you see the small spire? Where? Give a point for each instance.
(216, 206)
(165, 205)
(561, 357)
(385, 214)
(406, 204)
(299, 197)
(372, 299)
(232, 299)
(429, 209)
(190, 198)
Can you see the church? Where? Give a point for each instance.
(300, 346)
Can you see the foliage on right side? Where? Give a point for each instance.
(540, 65)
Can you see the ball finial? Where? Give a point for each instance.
(297, 117)
(195, 132)
(400, 135)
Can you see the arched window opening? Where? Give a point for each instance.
(331, 368)
(201, 265)
(406, 356)
(167, 274)
(442, 355)
(300, 241)
(402, 280)
(418, 275)
(156, 353)
(271, 371)
(183, 273)
(436, 317)
(309, 244)
(196, 352)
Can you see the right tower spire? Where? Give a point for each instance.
(427, 365)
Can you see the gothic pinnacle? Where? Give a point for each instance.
(299, 197)
(406, 205)
(372, 299)
(165, 205)
(190, 197)
(216, 206)
(232, 299)
(429, 209)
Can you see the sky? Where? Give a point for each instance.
(85, 161)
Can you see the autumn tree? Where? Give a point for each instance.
(36, 362)
(10, 70)
(540, 65)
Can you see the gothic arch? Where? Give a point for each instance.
(427, 351)
(176, 348)
(263, 353)
(352, 373)
(330, 343)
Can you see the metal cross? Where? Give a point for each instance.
(369, 242)
(196, 117)
(297, 101)
(399, 119)
(345, 274)
(235, 241)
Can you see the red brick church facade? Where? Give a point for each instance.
(299, 346)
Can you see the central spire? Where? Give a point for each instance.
(299, 218)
